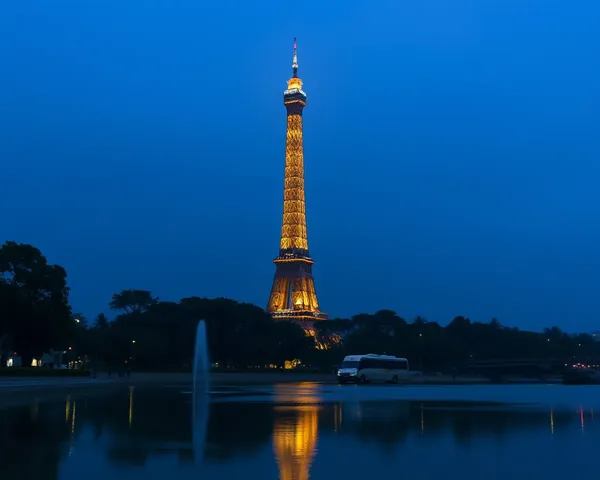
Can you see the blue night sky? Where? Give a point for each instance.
(451, 151)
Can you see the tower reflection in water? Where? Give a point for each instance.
(296, 429)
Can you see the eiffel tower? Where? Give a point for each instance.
(293, 295)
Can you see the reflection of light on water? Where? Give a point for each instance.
(73, 417)
(552, 422)
(295, 436)
(200, 416)
(67, 408)
(131, 405)
(70, 414)
(303, 392)
(582, 419)
(295, 443)
(337, 417)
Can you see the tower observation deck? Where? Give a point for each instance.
(293, 295)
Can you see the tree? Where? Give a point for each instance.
(459, 324)
(133, 301)
(388, 321)
(101, 321)
(495, 323)
(34, 311)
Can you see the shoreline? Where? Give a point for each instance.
(12, 384)
(19, 391)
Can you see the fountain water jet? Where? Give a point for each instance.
(201, 366)
(200, 397)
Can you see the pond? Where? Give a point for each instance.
(305, 431)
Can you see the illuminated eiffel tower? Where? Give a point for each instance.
(293, 295)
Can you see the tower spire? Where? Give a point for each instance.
(295, 61)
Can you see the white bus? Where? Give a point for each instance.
(373, 368)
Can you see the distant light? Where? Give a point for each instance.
(133, 341)
(70, 348)
(77, 320)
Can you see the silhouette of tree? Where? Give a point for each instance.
(34, 311)
(132, 301)
(495, 323)
(101, 321)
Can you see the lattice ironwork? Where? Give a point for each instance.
(293, 229)
(293, 296)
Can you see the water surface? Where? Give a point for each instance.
(302, 431)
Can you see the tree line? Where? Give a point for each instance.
(148, 333)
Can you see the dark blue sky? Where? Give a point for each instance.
(451, 149)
